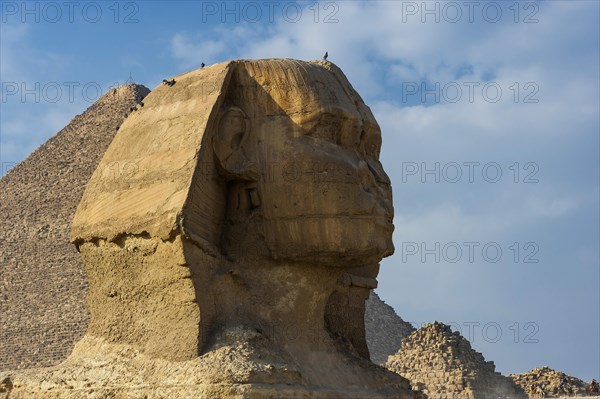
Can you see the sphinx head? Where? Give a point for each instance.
(257, 190)
(299, 151)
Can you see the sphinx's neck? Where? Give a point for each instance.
(284, 300)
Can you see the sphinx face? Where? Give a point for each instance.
(322, 193)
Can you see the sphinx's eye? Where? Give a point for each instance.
(340, 128)
(371, 139)
(326, 127)
(351, 132)
(377, 170)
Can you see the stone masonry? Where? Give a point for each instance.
(443, 365)
(549, 381)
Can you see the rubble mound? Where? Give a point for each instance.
(443, 365)
(549, 381)
(43, 285)
(235, 357)
(385, 330)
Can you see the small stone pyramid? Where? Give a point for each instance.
(443, 365)
(549, 380)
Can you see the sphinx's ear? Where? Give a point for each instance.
(234, 152)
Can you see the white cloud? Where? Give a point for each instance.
(10, 36)
(193, 53)
(28, 120)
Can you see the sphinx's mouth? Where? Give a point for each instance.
(385, 220)
(342, 229)
(379, 218)
(363, 224)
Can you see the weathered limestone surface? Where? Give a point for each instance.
(443, 365)
(232, 244)
(549, 381)
(42, 279)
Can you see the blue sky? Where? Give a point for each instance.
(489, 113)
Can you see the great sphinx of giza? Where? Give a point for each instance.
(232, 257)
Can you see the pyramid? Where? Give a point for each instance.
(385, 330)
(43, 284)
(443, 365)
(549, 379)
